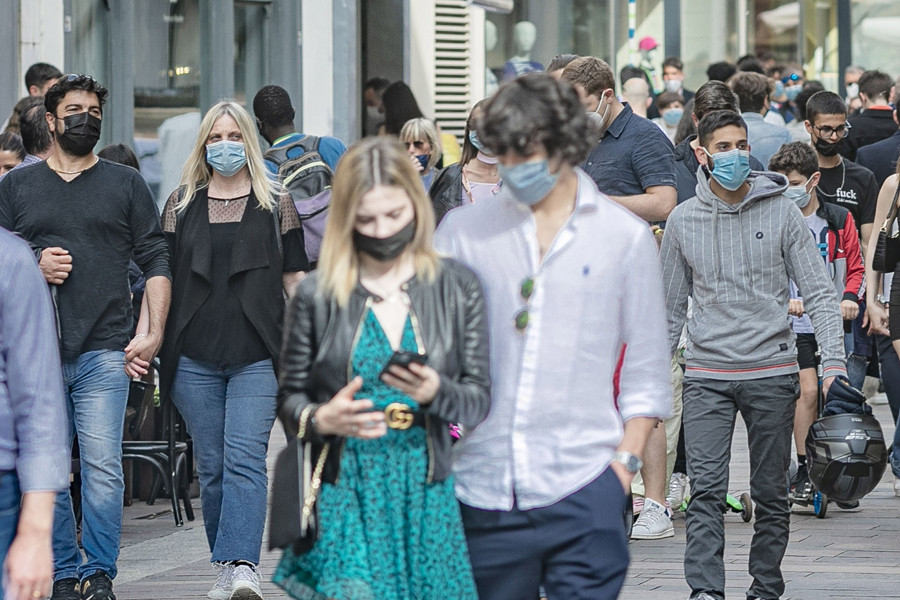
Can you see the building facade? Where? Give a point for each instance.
(161, 58)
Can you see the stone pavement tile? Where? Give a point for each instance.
(847, 555)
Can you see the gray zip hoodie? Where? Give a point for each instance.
(736, 263)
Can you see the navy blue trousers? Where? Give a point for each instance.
(577, 548)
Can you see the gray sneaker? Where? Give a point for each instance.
(678, 486)
(245, 583)
(654, 522)
(222, 588)
(704, 596)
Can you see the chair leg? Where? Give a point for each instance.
(154, 489)
(183, 489)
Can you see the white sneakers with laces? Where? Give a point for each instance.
(221, 590)
(678, 487)
(245, 583)
(654, 523)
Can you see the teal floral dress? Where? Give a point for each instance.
(386, 534)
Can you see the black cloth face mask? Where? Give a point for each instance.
(385, 249)
(827, 148)
(81, 134)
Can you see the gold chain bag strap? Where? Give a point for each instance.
(293, 518)
(887, 246)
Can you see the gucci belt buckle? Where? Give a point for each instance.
(398, 416)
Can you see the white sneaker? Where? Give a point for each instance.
(654, 523)
(245, 583)
(222, 588)
(677, 489)
(897, 487)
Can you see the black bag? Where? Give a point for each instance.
(294, 515)
(887, 247)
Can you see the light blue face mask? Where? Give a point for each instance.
(798, 194)
(529, 182)
(672, 116)
(226, 157)
(792, 91)
(731, 168)
(473, 137)
(779, 90)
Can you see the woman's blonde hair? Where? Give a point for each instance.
(368, 163)
(197, 172)
(423, 129)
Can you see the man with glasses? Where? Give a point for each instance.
(85, 217)
(846, 184)
(570, 277)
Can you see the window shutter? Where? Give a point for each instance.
(452, 93)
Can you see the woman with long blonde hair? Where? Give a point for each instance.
(237, 247)
(385, 346)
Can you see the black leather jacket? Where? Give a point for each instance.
(446, 191)
(320, 337)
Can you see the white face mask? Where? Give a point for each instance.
(597, 119)
(673, 85)
(372, 113)
(853, 91)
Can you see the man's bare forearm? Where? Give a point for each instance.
(157, 296)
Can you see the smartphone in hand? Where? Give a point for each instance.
(403, 359)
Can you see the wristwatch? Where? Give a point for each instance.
(628, 460)
(882, 299)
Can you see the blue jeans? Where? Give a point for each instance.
(10, 499)
(96, 394)
(890, 375)
(229, 411)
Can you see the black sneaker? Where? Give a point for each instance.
(66, 589)
(801, 487)
(848, 505)
(97, 587)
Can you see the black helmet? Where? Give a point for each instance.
(846, 455)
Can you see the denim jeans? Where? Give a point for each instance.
(96, 395)
(890, 375)
(10, 498)
(229, 411)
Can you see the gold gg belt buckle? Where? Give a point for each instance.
(398, 416)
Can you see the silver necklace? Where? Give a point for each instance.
(840, 187)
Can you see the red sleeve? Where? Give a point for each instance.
(618, 374)
(856, 268)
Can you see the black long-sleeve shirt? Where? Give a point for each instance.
(103, 217)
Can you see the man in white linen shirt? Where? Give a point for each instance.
(570, 278)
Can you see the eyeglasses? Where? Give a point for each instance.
(827, 132)
(419, 144)
(523, 317)
(792, 77)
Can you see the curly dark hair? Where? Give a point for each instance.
(795, 156)
(536, 110)
(272, 106)
(66, 84)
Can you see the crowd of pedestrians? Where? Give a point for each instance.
(491, 355)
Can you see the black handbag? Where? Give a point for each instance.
(294, 515)
(887, 247)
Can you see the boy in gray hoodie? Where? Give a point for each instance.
(733, 248)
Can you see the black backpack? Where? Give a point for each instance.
(308, 178)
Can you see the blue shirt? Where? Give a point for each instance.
(633, 155)
(765, 138)
(330, 148)
(33, 422)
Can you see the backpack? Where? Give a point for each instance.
(308, 179)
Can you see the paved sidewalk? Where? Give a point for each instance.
(849, 554)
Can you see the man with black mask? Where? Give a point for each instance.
(85, 217)
(847, 184)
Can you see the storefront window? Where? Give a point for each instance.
(166, 62)
(876, 44)
(529, 37)
(650, 23)
(820, 42)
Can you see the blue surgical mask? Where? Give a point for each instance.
(672, 116)
(529, 182)
(473, 137)
(731, 168)
(779, 90)
(423, 160)
(798, 194)
(792, 91)
(226, 157)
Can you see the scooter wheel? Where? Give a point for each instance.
(820, 504)
(746, 507)
(629, 516)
